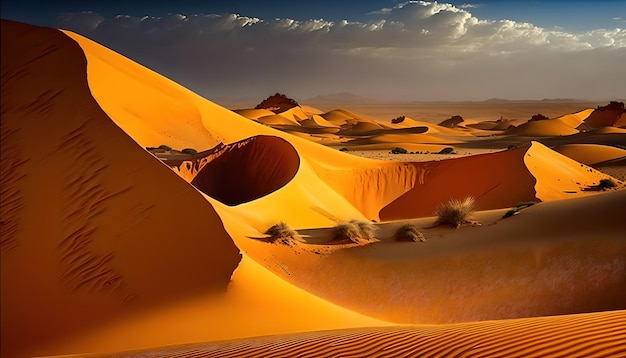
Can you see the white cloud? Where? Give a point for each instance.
(397, 50)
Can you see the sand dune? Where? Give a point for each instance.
(496, 180)
(606, 116)
(317, 121)
(87, 187)
(584, 335)
(591, 154)
(543, 128)
(531, 264)
(254, 113)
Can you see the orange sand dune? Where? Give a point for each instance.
(606, 116)
(496, 180)
(277, 119)
(591, 154)
(557, 257)
(327, 177)
(317, 121)
(582, 335)
(543, 128)
(294, 114)
(115, 261)
(254, 113)
(90, 190)
(575, 119)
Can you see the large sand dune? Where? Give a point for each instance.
(97, 233)
(105, 248)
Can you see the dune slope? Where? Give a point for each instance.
(584, 335)
(90, 227)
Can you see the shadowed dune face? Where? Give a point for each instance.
(248, 170)
(496, 180)
(91, 235)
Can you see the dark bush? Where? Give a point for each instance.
(409, 232)
(518, 208)
(283, 232)
(398, 150)
(446, 150)
(606, 184)
(189, 151)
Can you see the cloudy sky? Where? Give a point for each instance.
(394, 50)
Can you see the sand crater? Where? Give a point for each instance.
(248, 170)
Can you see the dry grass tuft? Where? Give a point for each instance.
(283, 232)
(454, 212)
(409, 232)
(355, 231)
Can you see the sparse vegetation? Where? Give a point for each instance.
(446, 150)
(455, 212)
(399, 150)
(366, 229)
(511, 147)
(354, 231)
(344, 149)
(519, 207)
(189, 151)
(165, 147)
(282, 232)
(409, 232)
(606, 184)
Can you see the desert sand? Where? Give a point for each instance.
(111, 244)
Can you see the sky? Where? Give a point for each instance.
(385, 49)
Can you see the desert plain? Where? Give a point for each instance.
(141, 219)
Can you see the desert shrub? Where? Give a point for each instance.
(282, 231)
(398, 150)
(354, 231)
(518, 208)
(511, 147)
(365, 229)
(165, 147)
(606, 184)
(454, 212)
(344, 149)
(409, 232)
(446, 150)
(189, 151)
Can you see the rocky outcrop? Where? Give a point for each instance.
(452, 121)
(611, 115)
(277, 103)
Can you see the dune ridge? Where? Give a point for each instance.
(582, 335)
